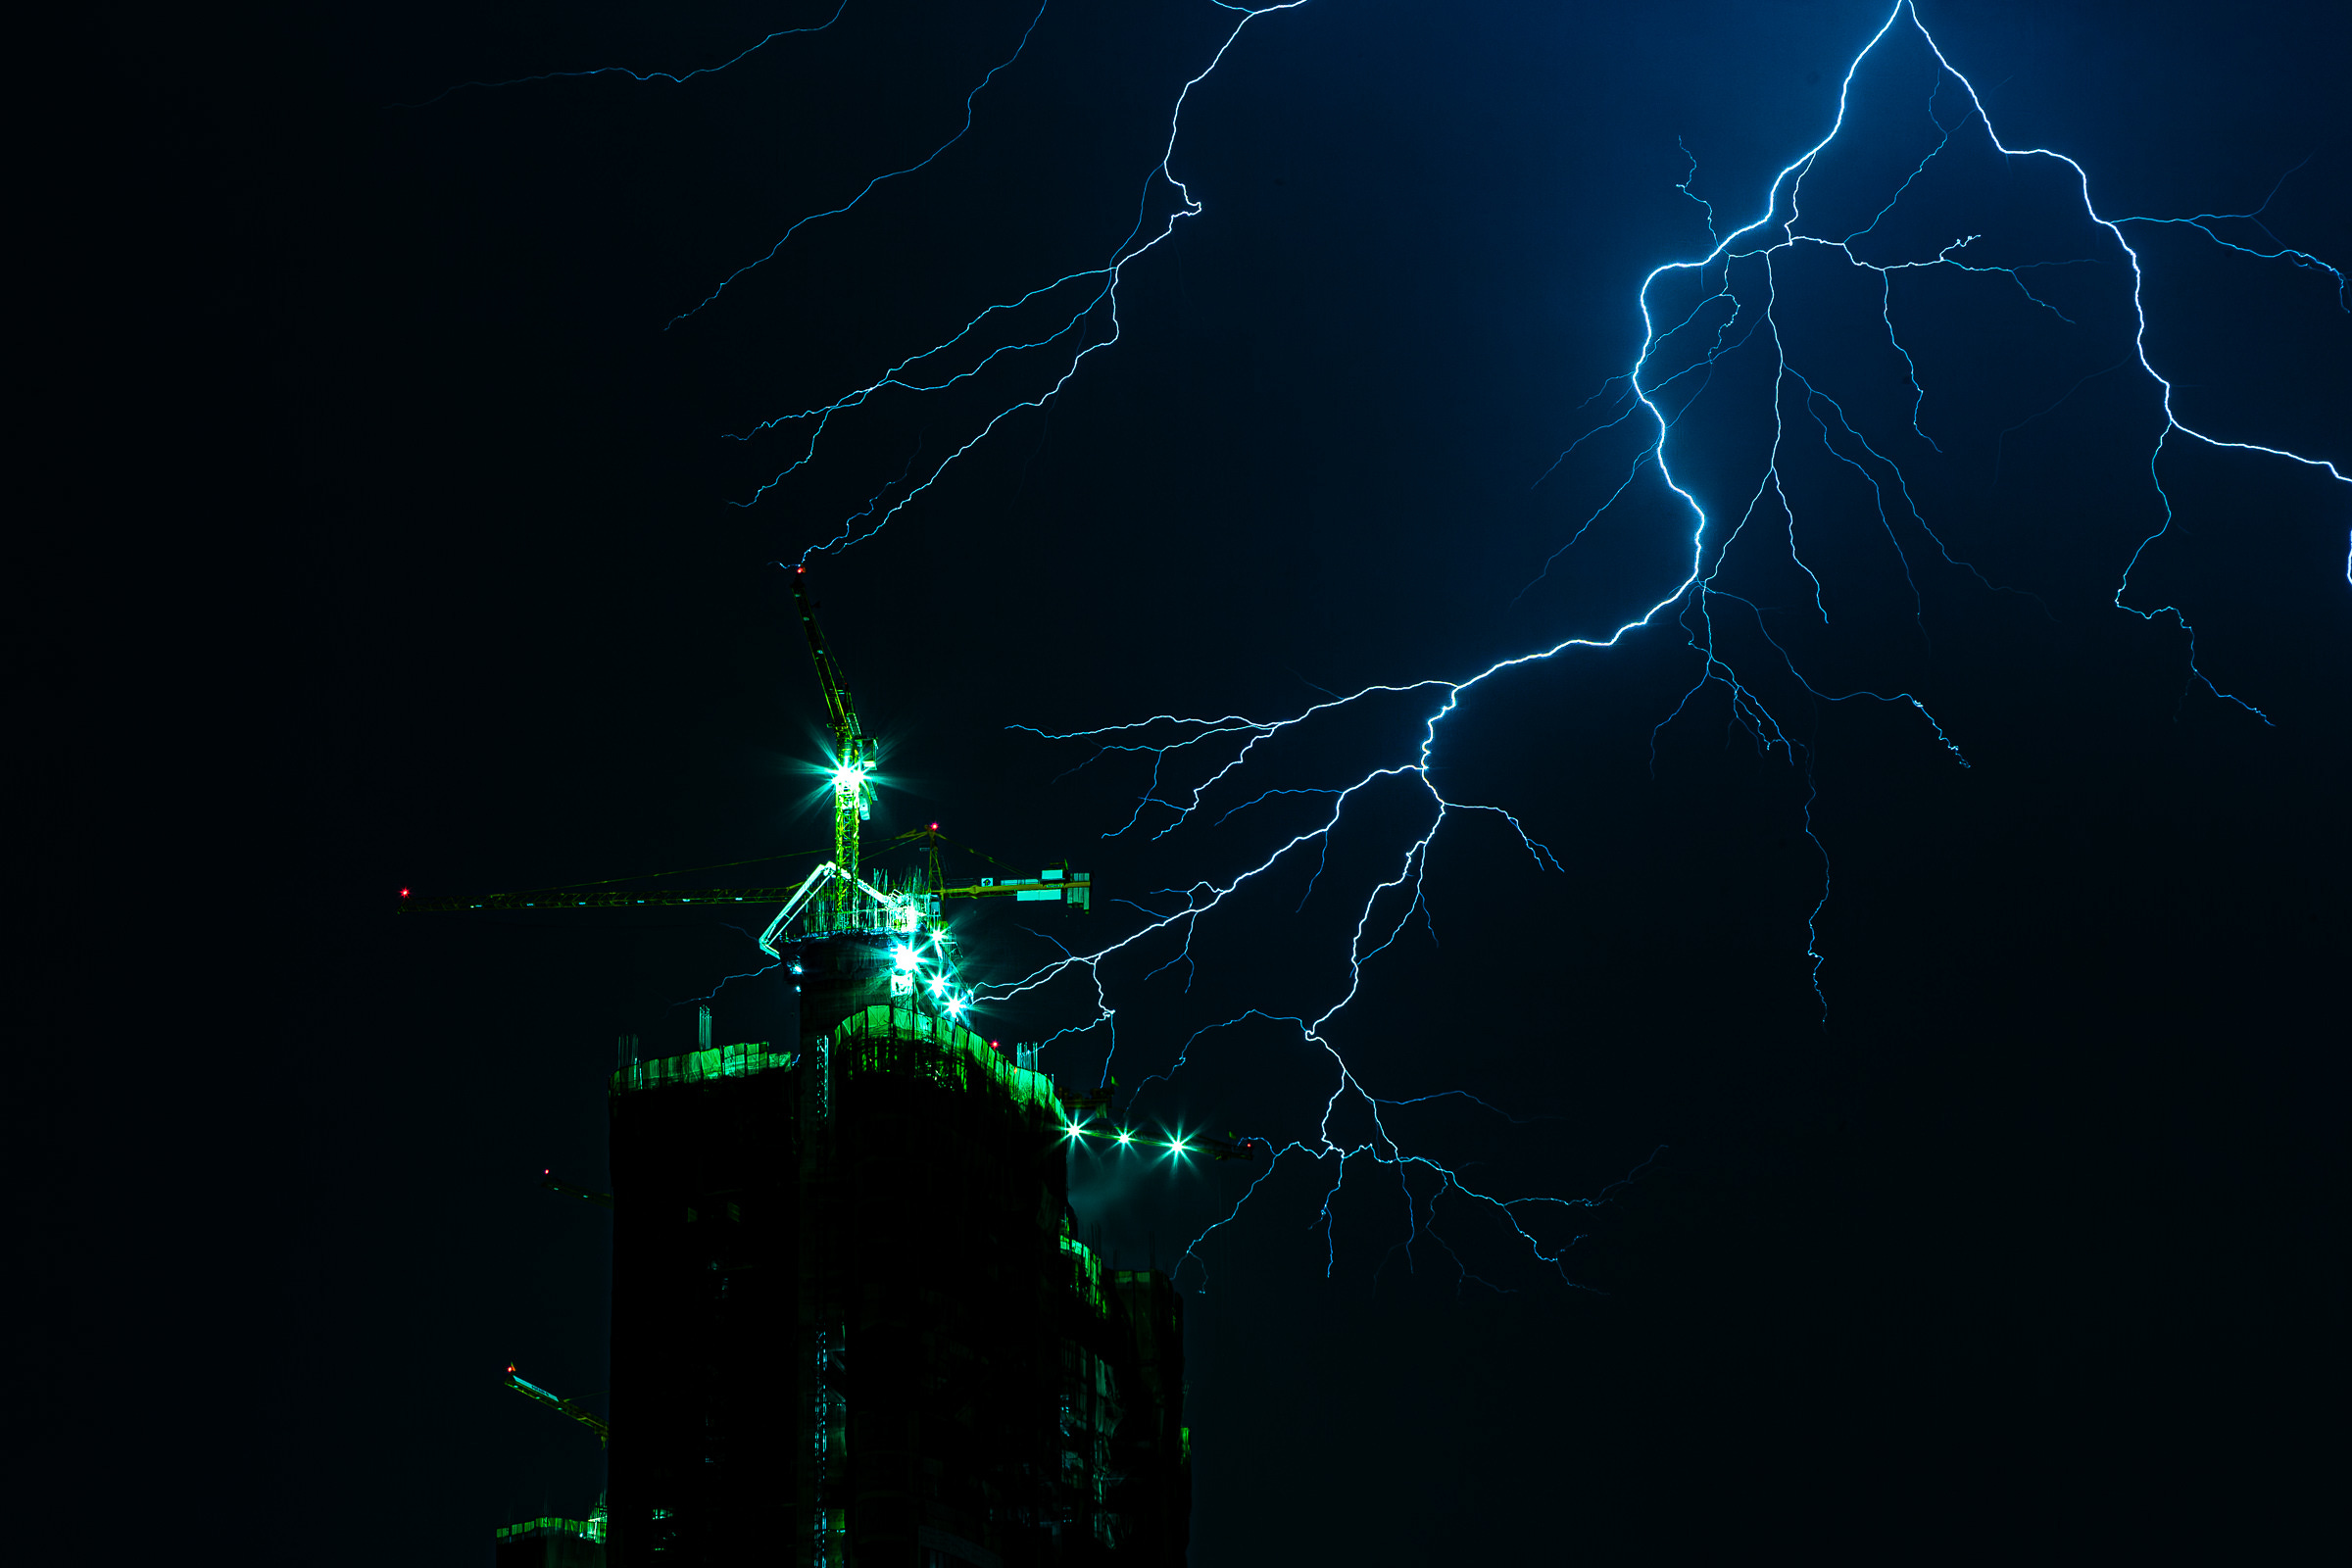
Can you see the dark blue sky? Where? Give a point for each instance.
(2026, 1234)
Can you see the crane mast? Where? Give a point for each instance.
(853, 754)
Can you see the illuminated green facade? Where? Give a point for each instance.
(852, 1325)
(553, 1543)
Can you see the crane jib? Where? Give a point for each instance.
(1073, 888)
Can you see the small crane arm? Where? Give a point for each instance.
(547, 1179)
(558, 1403)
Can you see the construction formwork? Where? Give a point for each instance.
(852, 1325)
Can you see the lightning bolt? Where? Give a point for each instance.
(673, 78)
(1699, 314)
(1736, 304)
(919, 164)
(1076, 315)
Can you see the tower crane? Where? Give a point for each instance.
(839, 898)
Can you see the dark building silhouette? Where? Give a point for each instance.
(553, 1543)
(853, 1325)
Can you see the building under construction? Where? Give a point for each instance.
(852, 1324)
(852, 1321)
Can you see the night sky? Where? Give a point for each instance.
(2037, 1237)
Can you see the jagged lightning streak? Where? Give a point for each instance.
(674, 79)
(1096, 295)
(1737, 306)
(1653, 391)
(867, 189)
